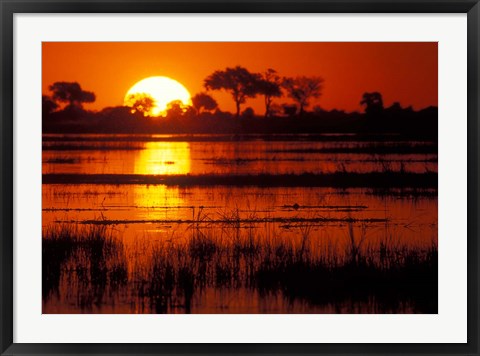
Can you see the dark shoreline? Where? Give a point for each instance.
(368, 149)
(336, 180)
(234, 137)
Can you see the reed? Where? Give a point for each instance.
(166, 276)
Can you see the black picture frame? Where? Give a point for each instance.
(10, 7)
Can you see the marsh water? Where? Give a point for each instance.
(328, 221)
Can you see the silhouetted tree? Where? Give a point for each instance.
(238, 81)
(396, 107)
(318, 110)
(269, 86)
(275, 109)
(48, 106)
(302, 89)
(248, 113)
(373, 103)
(203, 101)
(140, 102)
(120, 118)
(289, 110)
(113, 112)
(71, 93)
(189, 112)
(175, 109)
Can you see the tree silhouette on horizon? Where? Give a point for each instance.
(203, 101)
(269, 86)
(302, 89)
(176, 109)
(373, 103)
(140, 102)
(71, 93)
(237, 81)
(48, 106)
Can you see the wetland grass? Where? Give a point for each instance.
(93, 264)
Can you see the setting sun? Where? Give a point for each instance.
(162, 90)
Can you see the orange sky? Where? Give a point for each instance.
(404, 72)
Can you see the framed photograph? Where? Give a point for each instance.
(239, 177)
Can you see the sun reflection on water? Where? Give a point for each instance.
(163, 158)
(160, 201)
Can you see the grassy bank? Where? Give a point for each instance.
(89, 265)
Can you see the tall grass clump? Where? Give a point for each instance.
(172, 275)
(89, 258)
